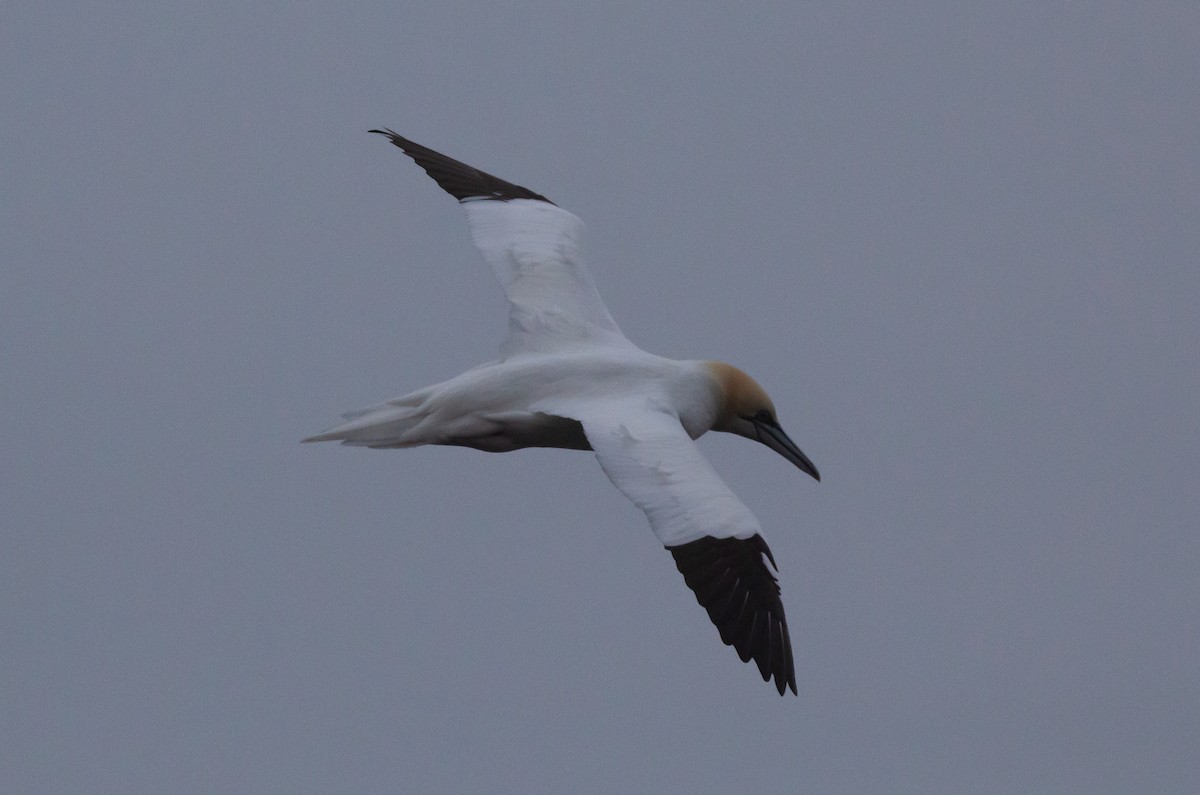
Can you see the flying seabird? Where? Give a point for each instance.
(569, 378)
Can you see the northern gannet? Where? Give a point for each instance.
(569, 378)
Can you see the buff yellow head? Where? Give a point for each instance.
(747, 410)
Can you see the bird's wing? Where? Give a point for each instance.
(712, 535)
(533, 247)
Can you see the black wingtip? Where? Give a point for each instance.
(460, 180)
(397, 138)
(732, 582)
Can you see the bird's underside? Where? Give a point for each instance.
(635, 426)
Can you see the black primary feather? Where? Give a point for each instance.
(461, 181)
(732, 582)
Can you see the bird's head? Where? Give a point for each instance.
(747, 410)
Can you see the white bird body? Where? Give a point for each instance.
(514, 402)
(570, 379)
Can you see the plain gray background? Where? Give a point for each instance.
(959, 247)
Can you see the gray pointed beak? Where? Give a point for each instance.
(773, 436)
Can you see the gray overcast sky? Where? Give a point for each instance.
(958, 245)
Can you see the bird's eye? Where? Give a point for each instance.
(763, 416)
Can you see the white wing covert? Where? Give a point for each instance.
(650, 457)
(533, 248)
